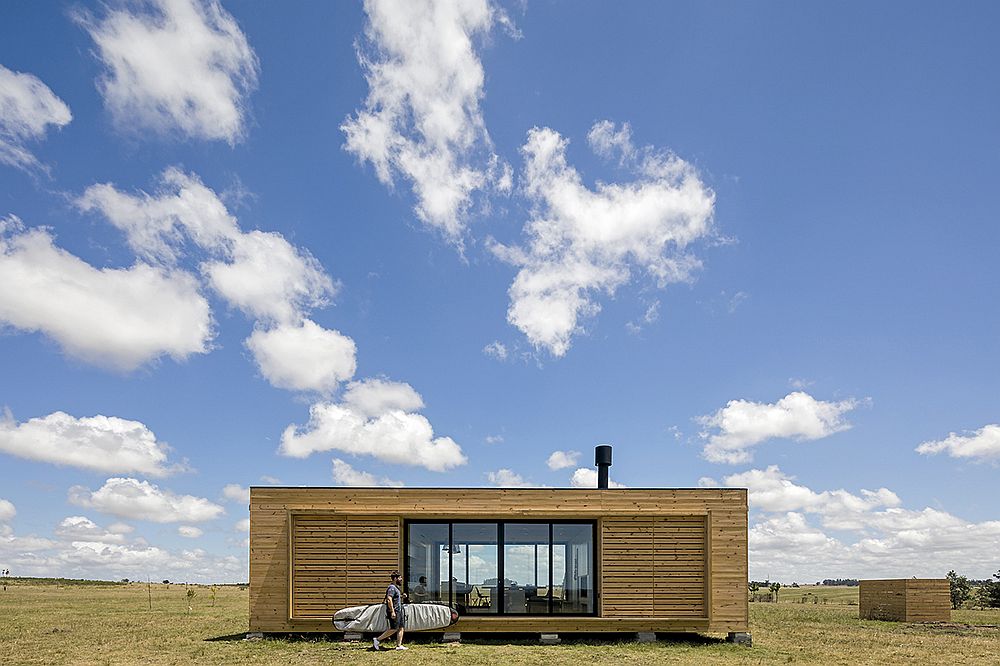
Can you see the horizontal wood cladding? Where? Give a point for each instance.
(654, 566)
(694, 542)
(905, 600)
(340, 561)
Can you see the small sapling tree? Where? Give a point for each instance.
(961, 589)
(190, 596)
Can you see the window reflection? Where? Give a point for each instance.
(427, 563)
(572, 568)
(474, 567)
(526, 568)
(547, 567)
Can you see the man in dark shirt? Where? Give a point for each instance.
(394, 613)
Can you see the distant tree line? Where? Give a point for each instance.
(842, 582)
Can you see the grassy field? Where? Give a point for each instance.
(63, 623)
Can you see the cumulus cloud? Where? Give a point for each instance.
(81, 528)
(175, 67)
(35, 556)
(733, 430)
(858, 535)
(234, 492)
(190, 532)
(114, 317)
(422, 118)
(304, 357)
(242, 525)
(141, 500)
(102, 443)
(345, 475)
(258, 272)
(774, 491)
(508, 478)
(586, 477)
(983, 444)
(582, 242)
(563, 459)
(27, 109)
(375, 418)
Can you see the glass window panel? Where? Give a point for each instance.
(474, 570)
(573, 568)
(526, 568)
(427, 562)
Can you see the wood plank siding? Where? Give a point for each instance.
(667, 559)
(905, 600)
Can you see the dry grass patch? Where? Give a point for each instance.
(73, 624)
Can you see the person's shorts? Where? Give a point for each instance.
(398, 622)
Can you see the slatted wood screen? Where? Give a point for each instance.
(654, 566)
(340, 561)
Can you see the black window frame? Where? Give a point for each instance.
(501, 583)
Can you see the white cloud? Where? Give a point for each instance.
(650, 316)
(494, 439)
(175, 66)
(874, 536)
(374, 397)
(81, 528)
(268, 278)
(374, 419)
(563, 459)
(35, 556)
(27, 108)
(983, 444)
(7, 511)
(582, 242)
(345, 475)
(306, 357)
(258, 272)
(497, 350)
(422, 118)
(586, 477)
(507, 478)
(742, 424)
(102, 443)
(141, 500)
(190, 531)
(773, 491)
(119, 318)
(236, 493)
(897, 544)
(242, 525)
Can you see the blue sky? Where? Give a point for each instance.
(747, 244)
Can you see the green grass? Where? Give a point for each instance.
(67, 623)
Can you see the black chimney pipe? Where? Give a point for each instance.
(602, 458)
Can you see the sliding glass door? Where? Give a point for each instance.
(503, 567)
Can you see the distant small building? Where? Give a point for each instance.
(905, 600)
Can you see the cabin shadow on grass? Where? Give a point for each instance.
(491, 638)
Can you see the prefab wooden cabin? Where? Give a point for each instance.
(510, 560)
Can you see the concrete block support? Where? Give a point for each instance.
(254, 635)
(352, 637)
(452, 637)
(740, 638)
(646, 637)
(550, 639)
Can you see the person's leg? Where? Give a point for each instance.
(399, 637)
(385, 634)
